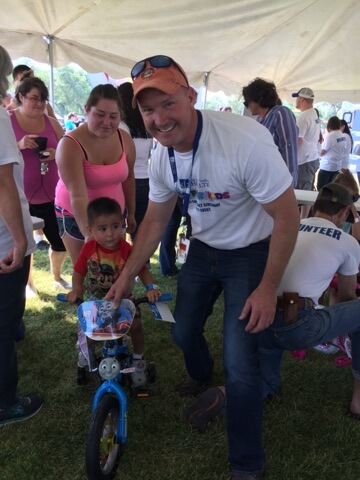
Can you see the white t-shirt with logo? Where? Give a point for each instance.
(321, 250)
(308, 123)
(236, 169)
(336, 151)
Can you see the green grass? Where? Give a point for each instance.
(306, 435)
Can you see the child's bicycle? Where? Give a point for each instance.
(108, 427)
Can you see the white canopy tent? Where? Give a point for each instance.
(295, 43)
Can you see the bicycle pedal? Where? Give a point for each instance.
(142, 392)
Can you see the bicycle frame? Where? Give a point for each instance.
(108, 387)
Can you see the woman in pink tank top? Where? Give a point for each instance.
(30, 123)
(94, 160)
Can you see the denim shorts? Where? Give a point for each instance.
(67, 224)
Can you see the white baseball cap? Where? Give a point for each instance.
(304, 92)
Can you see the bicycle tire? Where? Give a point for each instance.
(102, 453)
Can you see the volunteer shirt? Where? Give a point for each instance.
(236, 169)
(321, 250)
(336, 151)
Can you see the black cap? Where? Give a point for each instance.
(335, 193)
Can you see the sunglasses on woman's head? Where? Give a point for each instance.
(355, 198)
(157, 61)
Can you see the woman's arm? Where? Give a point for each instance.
(129, 184)
(69, 160)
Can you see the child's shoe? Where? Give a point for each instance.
(327, 348)
(139, 376)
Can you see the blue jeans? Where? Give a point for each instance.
(206, 273)
(313, 327)
(12, 305)
(325, 177)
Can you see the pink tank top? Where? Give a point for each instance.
(38, 188)
(101, 180)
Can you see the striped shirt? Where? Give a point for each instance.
(281, 123)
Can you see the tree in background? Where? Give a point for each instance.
(71, 90)
(71, 85)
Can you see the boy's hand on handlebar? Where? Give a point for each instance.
(73, 295)
(153, 295)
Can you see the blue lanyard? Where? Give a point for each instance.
(186, 195)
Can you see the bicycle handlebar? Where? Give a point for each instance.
(165, 297)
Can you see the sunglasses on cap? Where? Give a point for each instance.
(157, 61)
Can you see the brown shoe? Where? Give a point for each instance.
(189, 387)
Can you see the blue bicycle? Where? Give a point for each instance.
(108, 427)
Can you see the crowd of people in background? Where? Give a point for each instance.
(146, 162)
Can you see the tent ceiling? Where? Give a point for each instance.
(295, 43)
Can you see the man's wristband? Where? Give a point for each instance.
(151, 286)
(356, 220)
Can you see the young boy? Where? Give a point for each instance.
(99, 264)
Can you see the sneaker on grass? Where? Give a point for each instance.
(24, 408)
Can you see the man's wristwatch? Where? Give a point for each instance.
(356, 220)
(151, 286)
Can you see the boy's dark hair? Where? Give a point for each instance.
(262, 92)
(102, 206)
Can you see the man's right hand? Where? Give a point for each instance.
(14, 259)
(122, 288)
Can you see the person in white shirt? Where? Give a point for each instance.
(333, 153)
(16, 246)
(308, 123)
(238, 191)
(322, 249)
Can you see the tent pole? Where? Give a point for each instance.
(50, 41)
(205, 85)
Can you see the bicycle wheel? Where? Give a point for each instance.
(102, 453)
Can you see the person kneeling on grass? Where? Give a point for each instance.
(98, 266)
(321, 251)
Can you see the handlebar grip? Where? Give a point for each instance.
(165, 297)
(61, 297)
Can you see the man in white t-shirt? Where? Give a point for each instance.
(16, 246)
(322, 250)
(237, 191)
(308, 123)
